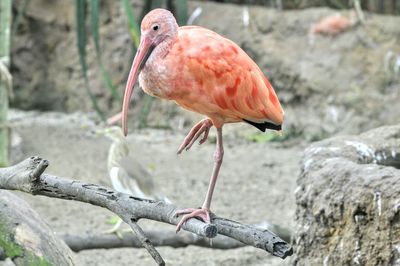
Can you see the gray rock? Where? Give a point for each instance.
(25, 239)
(348, 201)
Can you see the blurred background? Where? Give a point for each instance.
(70, 56)
(335, 65)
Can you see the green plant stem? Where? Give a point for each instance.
(81, 35)
(338, 4)
(133, 25)
(146, 8)
(5, 31)
(94, 17)
(18, 17)
(3, 125)
(155, 4)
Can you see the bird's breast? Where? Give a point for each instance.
(163, 79)
(155, 80)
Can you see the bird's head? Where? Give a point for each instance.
(158, 26)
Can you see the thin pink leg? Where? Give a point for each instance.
(202, 127)
(114, 119)
(204, 212)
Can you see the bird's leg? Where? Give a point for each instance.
(202, 127)
(218, 157)
(114, 119)
(204, 212)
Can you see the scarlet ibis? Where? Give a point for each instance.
(206, 73)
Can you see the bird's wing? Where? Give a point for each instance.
(234, 85)
(135, 175)
(119, 181)
(139, 180)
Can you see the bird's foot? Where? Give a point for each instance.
(202, 213)
(202, 127)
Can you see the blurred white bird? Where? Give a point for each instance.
(196, 13)
(127, 175)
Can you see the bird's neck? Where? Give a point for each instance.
(155, 76)
(164, 47)
(118, 150)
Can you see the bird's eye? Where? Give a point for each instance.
(156, 27)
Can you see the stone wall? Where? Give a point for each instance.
(348, 201)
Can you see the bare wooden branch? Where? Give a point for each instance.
(158, 238)
(24, 177)
(143, 239)
(162, 238)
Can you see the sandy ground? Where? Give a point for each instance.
(256, 184)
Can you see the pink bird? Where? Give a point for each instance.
(205, 73)
(332, 25)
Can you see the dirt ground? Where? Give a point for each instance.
(256, 184)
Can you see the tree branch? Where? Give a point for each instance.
(27, 176)
(143, 239)
(161, 238)
(158, 238)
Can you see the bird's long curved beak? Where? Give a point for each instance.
(146, 47)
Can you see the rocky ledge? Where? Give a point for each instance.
(348, 201)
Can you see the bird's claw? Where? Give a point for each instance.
(202, 127)
(202, 214)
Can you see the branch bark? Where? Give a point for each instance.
(158, 238)
(162, 238)
(28, 177)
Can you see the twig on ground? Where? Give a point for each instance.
(27, 177)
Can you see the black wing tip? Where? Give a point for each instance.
(264, 126)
